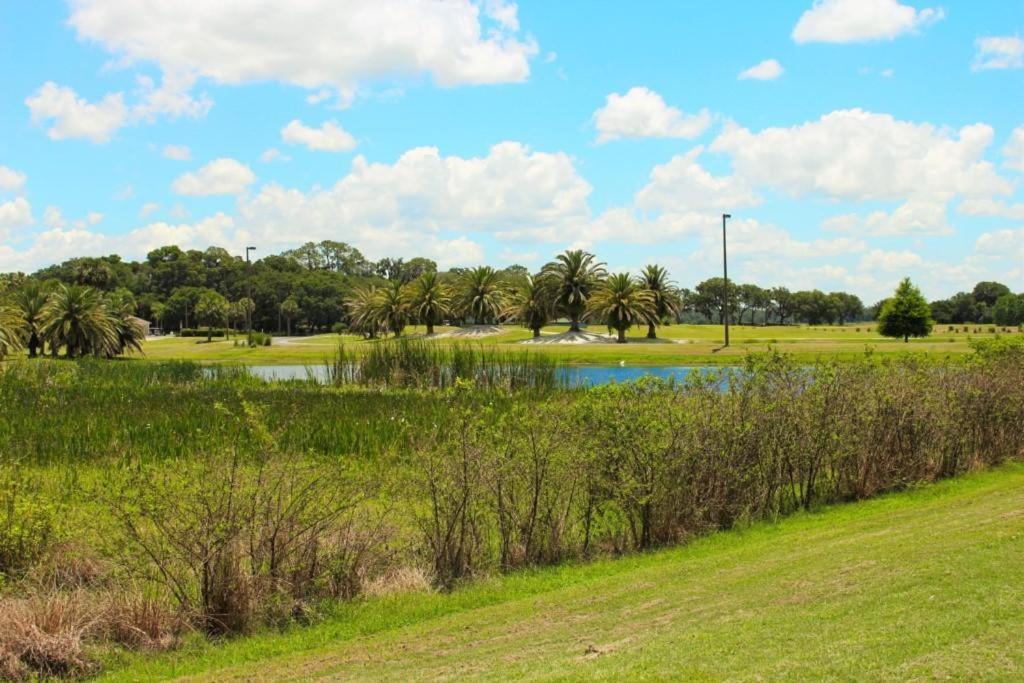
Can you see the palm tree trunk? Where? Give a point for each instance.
(651, 333)
(622, 336)
(574, 325)
(536, 333)
(430, 328)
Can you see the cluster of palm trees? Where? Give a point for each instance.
(574, 286)
(79, 319)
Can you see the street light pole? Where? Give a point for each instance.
(725, 274)
(248, 290)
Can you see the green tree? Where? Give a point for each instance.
(11, 329)
(782, 303)
(364, 313)
(712, 296)
(129, 329)
(248, 307)
(29, 301)
(906, 314)
(1009, 310)
(621, 302)
(576, 275)
(392, 304)
(481, 294)
(532, 303)
(212, 309)
(430, 299)
(289, 311)
(76, 318)
(667, 301)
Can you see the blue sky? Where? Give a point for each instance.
(854, 141)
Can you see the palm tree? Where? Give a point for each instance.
(76, 318)
(11, 329)
(667, 301)
(364, 315)
(532, 304)
(576, 275)
(430, 300)
(212, 309)
(482, 294)
(392, 304)
(621, 302)
(29, 300)
(130, 330)
(290, 310)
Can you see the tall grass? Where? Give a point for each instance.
(419, 364)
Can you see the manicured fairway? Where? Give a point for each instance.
(922, 585)
(677, 345)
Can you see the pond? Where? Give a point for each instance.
(591, 375)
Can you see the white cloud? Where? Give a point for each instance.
(887, 73)
(999, 52)
(177, 152)
(148, 208)
(220, 176)
(171, 99)
(853, 21)
(889, 261)
(991, 207)
(11, 180)
(273, 154)
(642, 113)
(1014, 150)
(1002, 244)
(70, 116)
(858, 155)
(913, 218)
(768, 70)
(94, 217)
(53, 218)
(16, 213)
(683, 185)
(319, 96)
(53, 246)
(316, 43)
(329, 137)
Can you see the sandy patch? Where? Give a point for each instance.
(470, 332)
(572, 338)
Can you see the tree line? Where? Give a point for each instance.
(331, 286)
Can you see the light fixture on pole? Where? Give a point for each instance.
(725, 276)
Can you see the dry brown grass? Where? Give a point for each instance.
(43, 635)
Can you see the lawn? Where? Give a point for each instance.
(927, 584)
(678, 345)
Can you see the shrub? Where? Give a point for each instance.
(259, 339)
(28, 522)
(43, 635)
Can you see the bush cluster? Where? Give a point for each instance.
(202, 332)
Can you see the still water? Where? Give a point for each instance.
(591, 375)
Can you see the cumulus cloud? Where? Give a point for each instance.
(53, 246)
(11, 180)
(316, 43)
(329, 137)
(54, 218)
(683, 185)
(172, 98)
(854, 21)
(219, 177)
(1013, 152)
(642, 113)
(177, 152)
(148, 208)
(889, 261)
(768, 70)
(70, 116)
(913, 218)
(858, 155)
(999, 52)
(16, 213)
(273, 154)
(991, 207)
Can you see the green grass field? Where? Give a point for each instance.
(922, 585)
(678, 345)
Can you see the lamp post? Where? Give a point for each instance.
(248, 290)
(725, 275)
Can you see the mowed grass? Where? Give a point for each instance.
(927, 584)
(677, 345)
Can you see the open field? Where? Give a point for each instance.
(160, 506)
(921, 585)
(678, 345)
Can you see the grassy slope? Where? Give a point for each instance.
(927, 584)
(700, 345)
